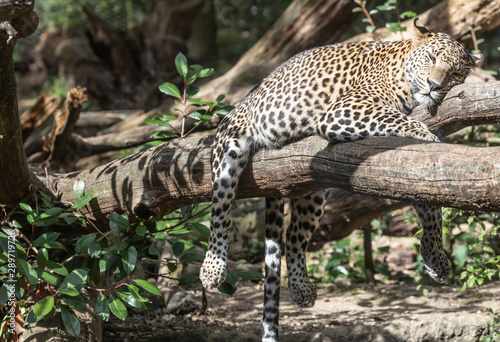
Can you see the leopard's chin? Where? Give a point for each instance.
(427, 99)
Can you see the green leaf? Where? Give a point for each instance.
(231, 278)
(146, 285)
(50, 278)
(178, 248)
(408, 14)
(227, 288)
(253, 275)
(181, 64)
(79, 188)
(153, 250)
(156, 121)
(95, 250)
(198, 115)
(193, 73)
(188, 279)
(71, 322)
(488, 249)
(220, 98)
(118, 224)
(82, 201)
(202, 229)
(141, 229)
(51, 212)
(370, 28)
(25, 207)
(27, 270)
(129, 258)
(190, 257)
(43, 307)
(138, 303)
(48, 240)
(192, 91)
(102, 307)
(57, 268)
(206, 72)
(42, 258)
(117, 308)
(162, 135)
(76, 279)
(357, 9)
(170, 89)
(83, 244)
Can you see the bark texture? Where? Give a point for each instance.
(16, 177)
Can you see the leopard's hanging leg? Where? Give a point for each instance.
(274, 229)
(229, 159)
(306, 214)
(431, 244)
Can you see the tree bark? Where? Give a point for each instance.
(150, 184)
(16, 177)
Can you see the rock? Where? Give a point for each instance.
(182, 303)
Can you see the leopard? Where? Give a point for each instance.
(340, 92)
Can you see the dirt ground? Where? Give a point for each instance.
(384, 313)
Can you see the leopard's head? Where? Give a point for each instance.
(436, 64)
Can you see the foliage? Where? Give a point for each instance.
(50, 272)
(204, 109)
(68, 14)
(388, 6)
(240, 23)
(345, 259)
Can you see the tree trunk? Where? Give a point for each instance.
(16, 177)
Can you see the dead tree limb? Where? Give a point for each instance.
(44, 107)
(151, 184)
(64, 123)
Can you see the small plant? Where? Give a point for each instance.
(185, 100)
(48, 275)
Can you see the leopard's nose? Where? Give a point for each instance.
(433, 85)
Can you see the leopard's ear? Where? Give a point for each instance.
(477, 58)
(420, 30)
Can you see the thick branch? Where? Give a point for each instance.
(177, 173)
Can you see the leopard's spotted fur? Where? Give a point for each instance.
(340, 92)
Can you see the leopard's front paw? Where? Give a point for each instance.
(303, 292)
(213, 271)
